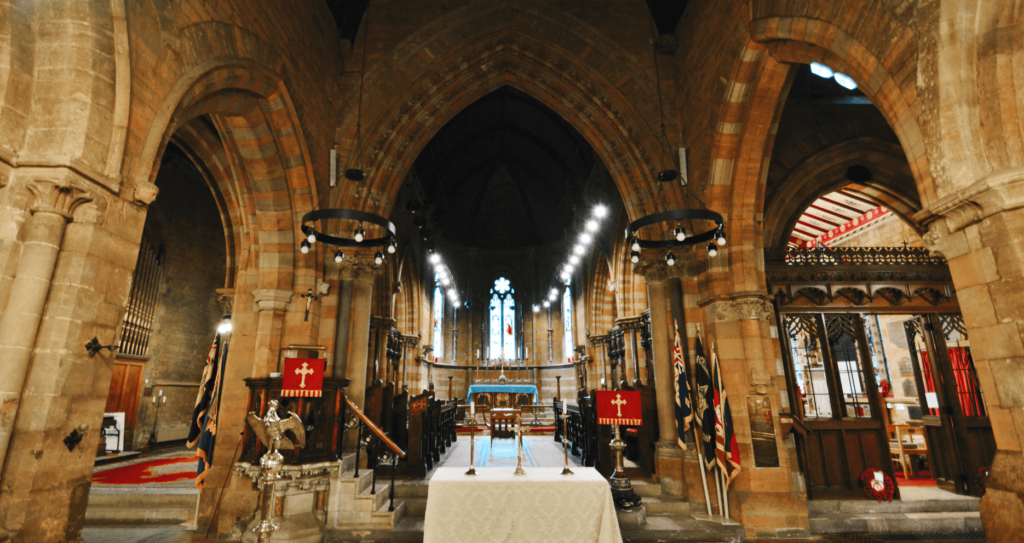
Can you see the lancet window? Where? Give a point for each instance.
(438, 319)
(503, 320)
(567, 342)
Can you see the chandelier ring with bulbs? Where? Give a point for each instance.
(716, 235)
(359, 238)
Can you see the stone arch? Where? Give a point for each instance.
(825, 172)
(753, 100)
(271, 167)
(407, 302)
(600, 89)
(601, 316)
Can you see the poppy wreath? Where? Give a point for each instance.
(884, 388)
(877, 490)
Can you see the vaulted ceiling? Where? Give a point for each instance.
(504, 173)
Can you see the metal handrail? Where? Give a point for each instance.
(373, 428)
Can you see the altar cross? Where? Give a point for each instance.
(306, 370)
(618, 403)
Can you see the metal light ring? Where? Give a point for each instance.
(675, 215)
(349, 214)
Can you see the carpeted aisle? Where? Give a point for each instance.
(167, 473)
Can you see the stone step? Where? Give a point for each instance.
(139, 508)
(948, 521)
(411, 488)
(665, 506)
(683, 528)
(384, 519)
(375, 500)
(646, 489)
(828, 508)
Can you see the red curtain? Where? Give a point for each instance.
(967, 391)
(926, 374)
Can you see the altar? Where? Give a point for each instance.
(502, 395)
(542, 505)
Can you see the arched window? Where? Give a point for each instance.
(503, 320)
(567, 343)
(438, 319)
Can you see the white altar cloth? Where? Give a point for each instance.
(498, 506)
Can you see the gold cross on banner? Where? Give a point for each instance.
(304, 372)
(619, 402)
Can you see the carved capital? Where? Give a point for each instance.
(381, 323)
(58, 196)
(997, 192)
(598, 341)
(746, 308)
(226, 299)
(411, 341)
(358, 269)
(272, 299)
(630, 324)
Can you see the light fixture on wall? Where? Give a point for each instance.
(444, 277)
(225, 326)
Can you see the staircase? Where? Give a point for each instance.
(955, 514)
(354, 507)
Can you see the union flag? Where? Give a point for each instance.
(727, 449)
(684, 410)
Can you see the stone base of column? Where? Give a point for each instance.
(668, 465)
(1002, 507)
(770, 515)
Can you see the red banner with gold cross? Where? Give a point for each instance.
(303, 377)
(619, 407)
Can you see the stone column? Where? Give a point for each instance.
(53, 203)
(668, 456)
(352, 343)
(770, 497)
(981, 235)
(273, 303)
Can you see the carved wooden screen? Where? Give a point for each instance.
(142, 299)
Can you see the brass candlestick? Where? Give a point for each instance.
(622, 490)
(519, 455)
(472, 440)
(565, 443)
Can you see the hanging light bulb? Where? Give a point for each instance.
(435, 258)
(586, 238)
(339, 256)
(312, 236)
(304, 246)
(451, 292)
(568, 268)
(670, 259)
(574, 259)
(536, 308)
(680, 233)
(359, 234)
(592, 225)
(547, 303)
(634, 244)
(565, 276)
(712, 250)
(392, 247)
(600, 211)
(579, 249)
(378, 258)
(634, 257)
(720, 237)
(444, 280)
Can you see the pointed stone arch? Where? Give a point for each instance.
(570, 67)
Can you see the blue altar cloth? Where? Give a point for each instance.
(520, 389)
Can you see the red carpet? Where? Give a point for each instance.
(160, 470)
(467, 430)
(923, 478)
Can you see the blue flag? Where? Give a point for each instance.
(203, 431)
(684, 411)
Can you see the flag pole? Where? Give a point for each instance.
(721, 468)
(700, 457)
(725, 491)
(718, 488)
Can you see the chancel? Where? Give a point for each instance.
(511, 270)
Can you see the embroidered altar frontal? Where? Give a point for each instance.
(303, 377)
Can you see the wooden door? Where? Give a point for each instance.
(123, 396)
(957, 426)
(836, 397)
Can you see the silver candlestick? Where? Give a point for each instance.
(519, 456)
(472, 440)
(565, 443)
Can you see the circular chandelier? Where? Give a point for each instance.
(715, 235)
(359, 238)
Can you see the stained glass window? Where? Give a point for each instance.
(567, 342)
(438, 319)
(503, 319)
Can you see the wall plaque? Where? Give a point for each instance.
(762, 432)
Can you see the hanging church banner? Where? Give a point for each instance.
(619, 407)
(303, 377)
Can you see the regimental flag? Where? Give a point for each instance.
(303, 377)
(705, 411)
(726, 448)
(203, 428)
(619, 407)
(684, 411)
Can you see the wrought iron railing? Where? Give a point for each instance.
(852, 256)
